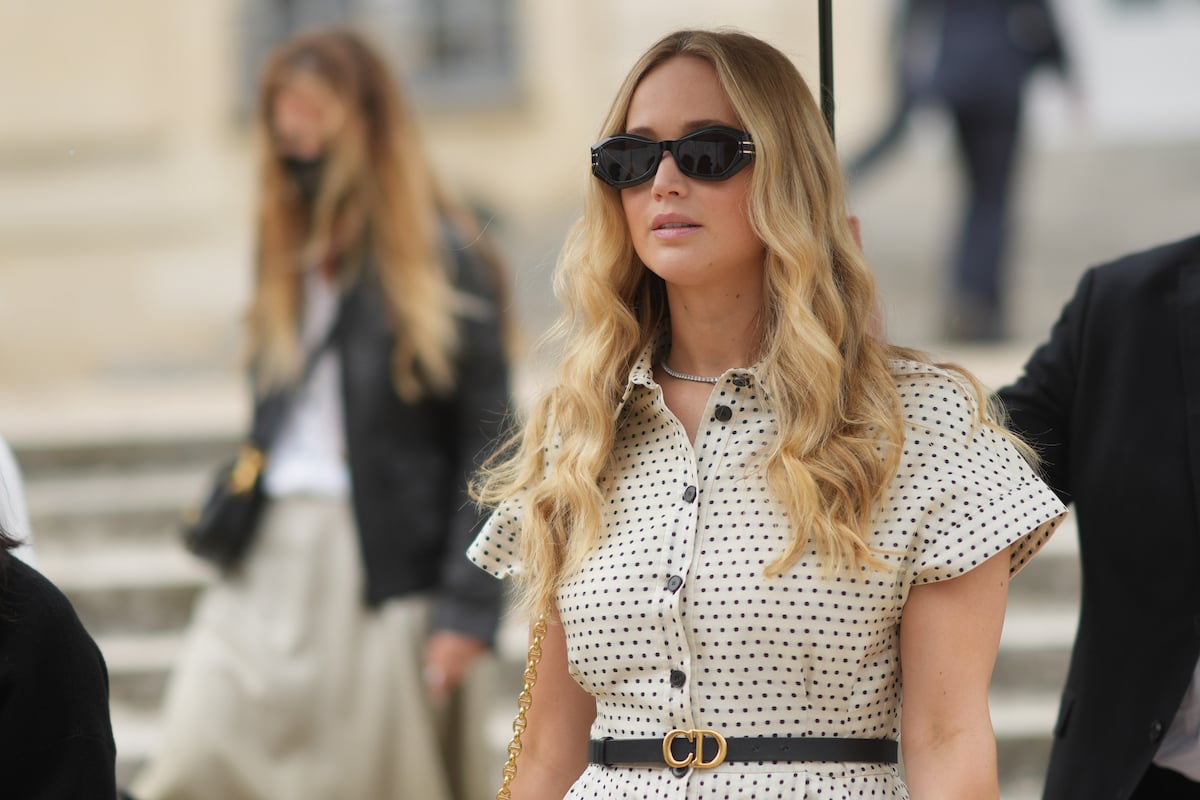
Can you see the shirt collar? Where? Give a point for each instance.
(642, 371)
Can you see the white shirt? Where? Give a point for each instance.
(309, 453)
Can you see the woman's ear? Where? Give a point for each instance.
(855, 229)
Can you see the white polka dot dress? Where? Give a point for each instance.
(671, 622)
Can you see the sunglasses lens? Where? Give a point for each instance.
(625, 161)
(707, 154)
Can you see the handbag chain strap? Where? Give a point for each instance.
(524, 702)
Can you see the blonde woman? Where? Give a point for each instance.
(755, 528)
(323, 665)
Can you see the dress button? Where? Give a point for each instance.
(679, 772)
(678, 679)
(723, 413)
(1156, 730)
(673, 583)
(741, 381)
(689, 494)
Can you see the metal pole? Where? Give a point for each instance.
(825, 24)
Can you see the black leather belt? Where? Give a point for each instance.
(705, 749)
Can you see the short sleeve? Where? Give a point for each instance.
(495, 548)
(978, 495)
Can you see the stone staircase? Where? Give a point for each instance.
(105, 512)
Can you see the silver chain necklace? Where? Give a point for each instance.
(683, 376)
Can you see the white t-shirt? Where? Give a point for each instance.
(309, 453)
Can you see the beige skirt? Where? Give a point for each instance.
(289, 687)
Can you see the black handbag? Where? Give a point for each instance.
(222, 528)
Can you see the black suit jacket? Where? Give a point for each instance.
(1112, 402)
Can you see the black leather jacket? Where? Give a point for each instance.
(410, 462)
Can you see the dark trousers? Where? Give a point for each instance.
(987, 134)
(1165, 784)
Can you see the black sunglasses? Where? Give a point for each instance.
(709, 154)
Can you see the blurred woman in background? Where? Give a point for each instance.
(325, 664)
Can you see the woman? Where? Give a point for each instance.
(741, 510)
(324, 665)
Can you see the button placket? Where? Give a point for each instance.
(677, 560)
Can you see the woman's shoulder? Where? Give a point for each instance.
(935, 394)
(911, 373)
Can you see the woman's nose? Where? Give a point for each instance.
(668, 179)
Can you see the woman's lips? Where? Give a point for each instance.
(672, 226)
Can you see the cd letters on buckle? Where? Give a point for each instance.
(695, 759)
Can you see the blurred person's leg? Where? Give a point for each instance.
(987, 134)
(476, 732)
(391, 744)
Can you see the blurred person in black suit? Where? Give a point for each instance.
(974, 59)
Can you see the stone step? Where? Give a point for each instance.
(136, 731)
(126, 590)
(1024, 722)
(48, 458)
(1035, 647)
(139, 666)
(113, 506)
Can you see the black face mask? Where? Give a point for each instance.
(306, 175)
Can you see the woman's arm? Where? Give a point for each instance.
(554, 746)
(949, 635)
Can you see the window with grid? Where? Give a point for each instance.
(450, 54)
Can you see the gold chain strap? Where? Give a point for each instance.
(524, 702)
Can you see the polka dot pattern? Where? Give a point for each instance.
(671, 623)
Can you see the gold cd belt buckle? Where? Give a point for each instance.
(695, 759)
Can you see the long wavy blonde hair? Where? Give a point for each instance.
(824, 366)
(378, 199)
